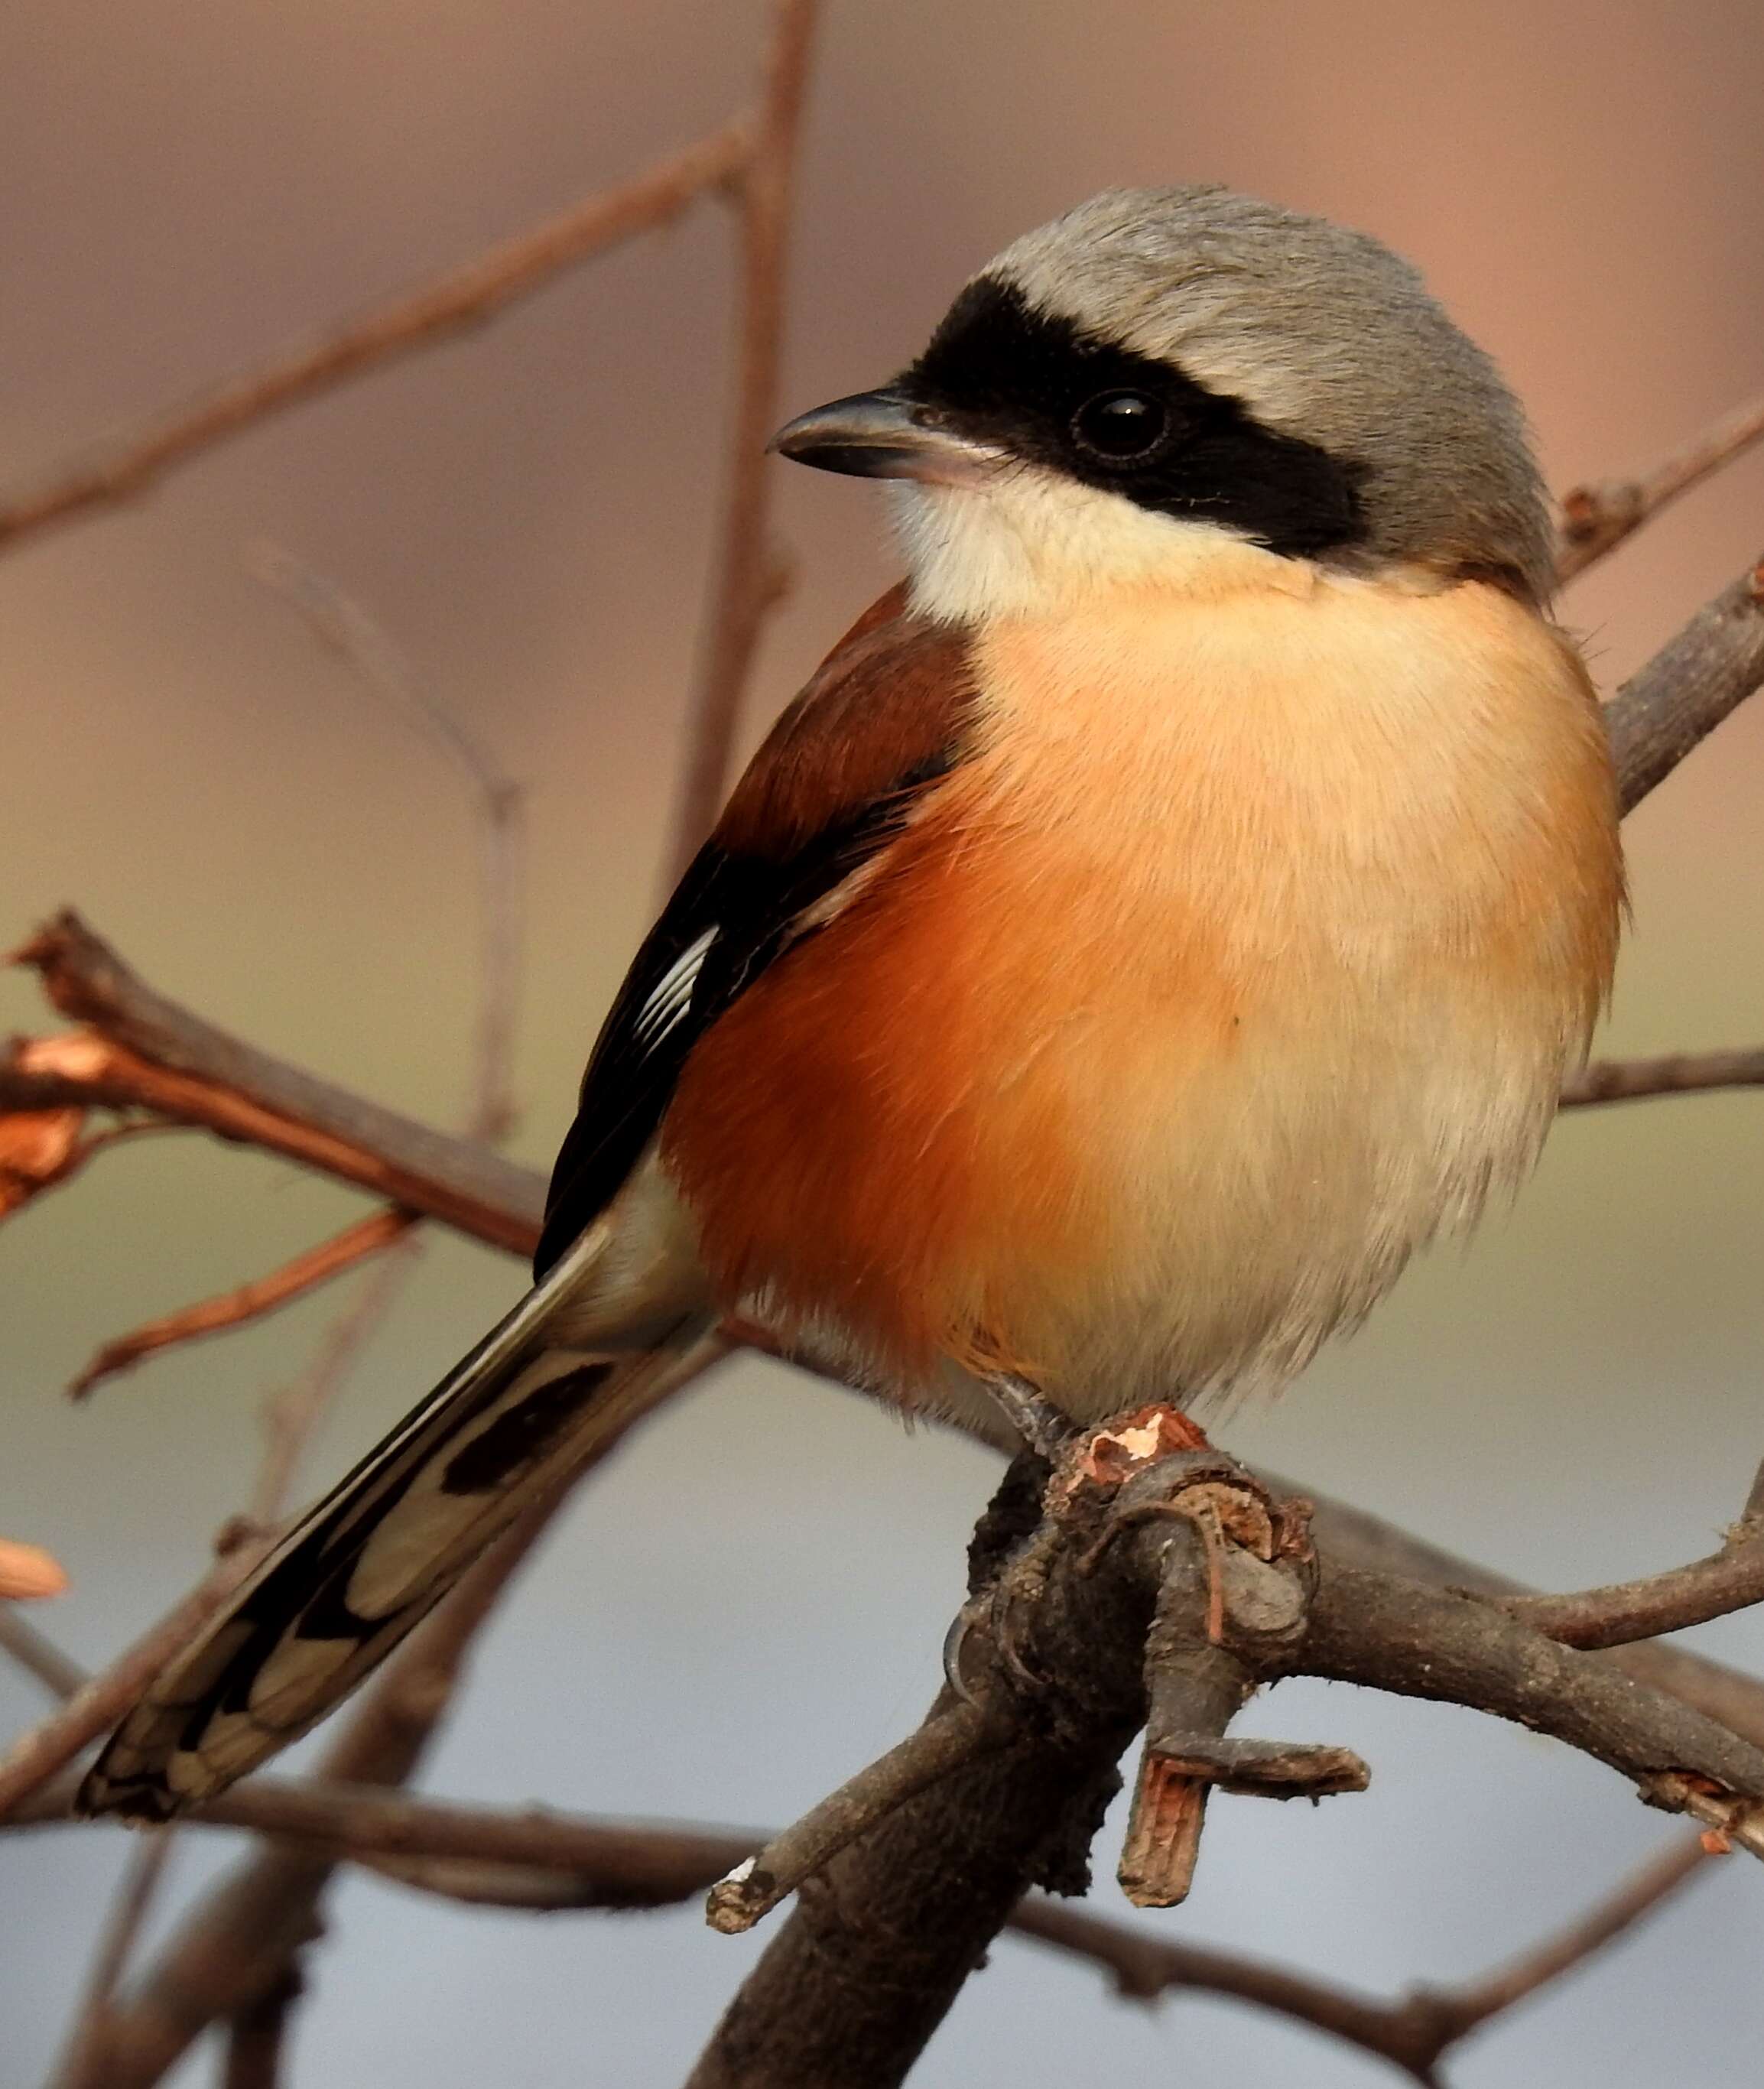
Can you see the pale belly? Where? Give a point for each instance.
(1238, 1000)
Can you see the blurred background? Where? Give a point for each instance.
(747, 1604)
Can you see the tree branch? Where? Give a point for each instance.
(749, 577)
(237, 1947)
(1730, 1580)
(246, 1302)
(853, 1984)
(1597, 518)
(1698, 678)
(41, 1750)
(143, 1050)
(1678, 1074)
(462, 298)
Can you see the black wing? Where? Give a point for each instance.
(879, 722)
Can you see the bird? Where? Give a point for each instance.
(1169, 907)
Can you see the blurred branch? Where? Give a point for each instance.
(547, 1861)
(1678, 1074)
(499, 804)
(82, 2065)
(140, 1049)
(238, 1945)
(462, 298)
(248, 1301)
(41, 1750)
(750, 574)
(273, 1901)
(256, 2036)
(1597, 518)
(38, 1655)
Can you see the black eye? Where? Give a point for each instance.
(1121, 427)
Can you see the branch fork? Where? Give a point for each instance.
(1231, 1605)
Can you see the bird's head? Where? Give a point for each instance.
(1141, 390)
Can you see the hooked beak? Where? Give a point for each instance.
(884, 435)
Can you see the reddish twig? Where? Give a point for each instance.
(462, 298)
(748, 580)
(1596, 518)
(401, 1162)
(315, 1266)
(291, 1415)
(27, 1573)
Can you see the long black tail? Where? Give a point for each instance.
(513, 1418)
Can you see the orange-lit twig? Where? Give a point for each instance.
(248, 1301)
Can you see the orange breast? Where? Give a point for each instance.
(1250, 947)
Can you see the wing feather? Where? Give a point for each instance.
(883, 718)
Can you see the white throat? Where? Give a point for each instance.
(1030, 541)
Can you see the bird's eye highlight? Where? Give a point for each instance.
(1121, 427)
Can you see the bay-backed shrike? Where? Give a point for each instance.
(1160, 915)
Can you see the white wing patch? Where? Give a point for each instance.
(671, 1000)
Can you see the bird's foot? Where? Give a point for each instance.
(1046, 1429)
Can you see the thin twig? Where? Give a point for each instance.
(41, 1750)
(1677, 1073)
(366, 648)
(82, 2066)
(1458, 2011)
(291, 1415)
(228, 1310)
(1730, 1580)
(748, 580)
(958, 1736)
(463, 297)
(39, 1656)
(1597, 518)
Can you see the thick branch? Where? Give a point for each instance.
(1390, 1633)
(1700, 675)
(462, 298)
(142, 1049)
